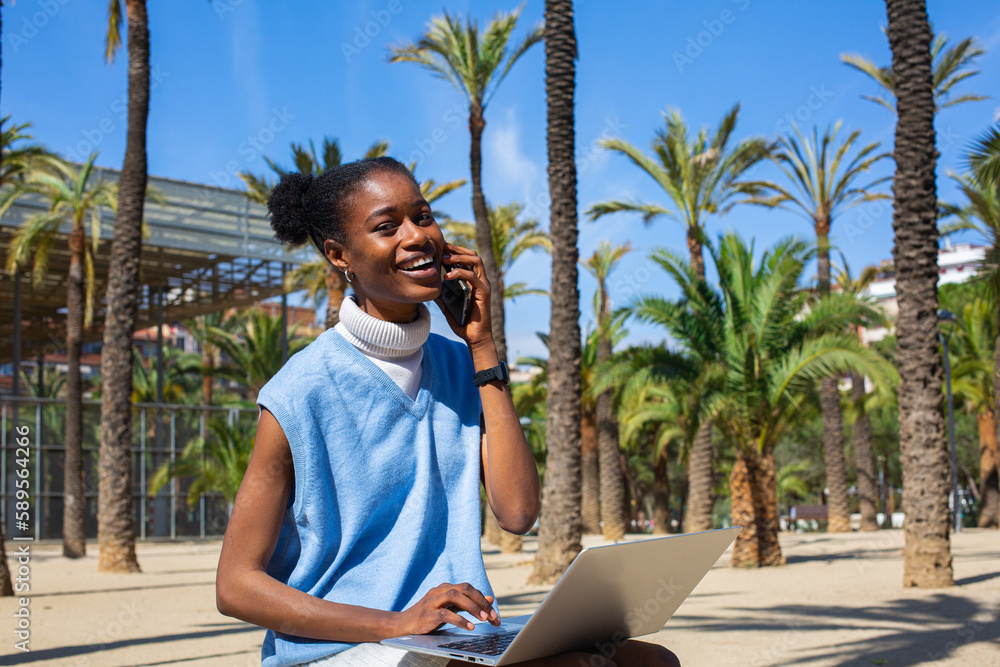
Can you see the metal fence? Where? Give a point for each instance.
(160, 433)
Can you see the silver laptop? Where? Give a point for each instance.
(609, 594)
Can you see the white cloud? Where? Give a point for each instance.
(511, 173)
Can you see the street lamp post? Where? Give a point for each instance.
(956, 505)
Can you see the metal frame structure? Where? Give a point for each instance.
(206, 248)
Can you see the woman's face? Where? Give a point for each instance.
(394, 247)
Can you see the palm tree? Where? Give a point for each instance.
(973, 349)
(253, 348)
(476, 63)
(217, 462)
(924, 453)
(511, 239)
(115, 516)
(600, 265)
(981, 215)
(702, 178)
(320, 278)
(950, 66)
(823, 182)
(698, 316)
(776, 342)
(560, 529)
(657, 403)
(863, 453)
(74, 200)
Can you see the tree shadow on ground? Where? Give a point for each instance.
(44, 655)
(916, 631)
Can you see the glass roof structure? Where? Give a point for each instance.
(205, 249)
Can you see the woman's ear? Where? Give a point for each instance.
(335, 253)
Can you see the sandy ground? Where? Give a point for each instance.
(839, 601)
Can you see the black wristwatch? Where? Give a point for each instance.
(498, 372)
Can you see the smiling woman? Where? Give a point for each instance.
(362, 495)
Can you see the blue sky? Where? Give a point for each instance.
(238, 79)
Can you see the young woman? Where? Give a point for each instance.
(358, 516)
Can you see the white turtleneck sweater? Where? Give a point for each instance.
(395, 348)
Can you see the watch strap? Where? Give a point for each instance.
(498, 372)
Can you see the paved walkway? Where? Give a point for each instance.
(839, 601)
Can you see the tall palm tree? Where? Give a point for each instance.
(973, 370)
(822, 175)
(74, 200)
(981, 214)
(923, 449)
(560, 529)
(319, 278)
(476, 63)
(950, 66)
(600, 265)
(115, 516)
(702, 177)
(864, 458)
(776, 342)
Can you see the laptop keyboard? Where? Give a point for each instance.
(489, 645)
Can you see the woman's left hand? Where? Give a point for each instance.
(465, 264)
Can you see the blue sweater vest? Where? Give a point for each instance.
(385, 504)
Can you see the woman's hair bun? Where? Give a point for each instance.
(287, 206)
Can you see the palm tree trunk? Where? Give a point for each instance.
(590, 505)
(336, 284)
(74, 531)
(661, 495)
(491, 526)
(989, 497)
(864, 457)
(838, 507)
(701, 482)
(696, 249)
(923, 449)
(484, 238)
(609, 451)
(115, 515)
(753, 489)
(559, 534)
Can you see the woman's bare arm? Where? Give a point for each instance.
(246, 591)
(509, 472)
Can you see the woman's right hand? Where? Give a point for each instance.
(440, 605)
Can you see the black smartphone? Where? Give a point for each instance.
(457, 297)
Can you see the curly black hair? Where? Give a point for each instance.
(305, 207)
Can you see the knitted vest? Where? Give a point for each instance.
(385, 504)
